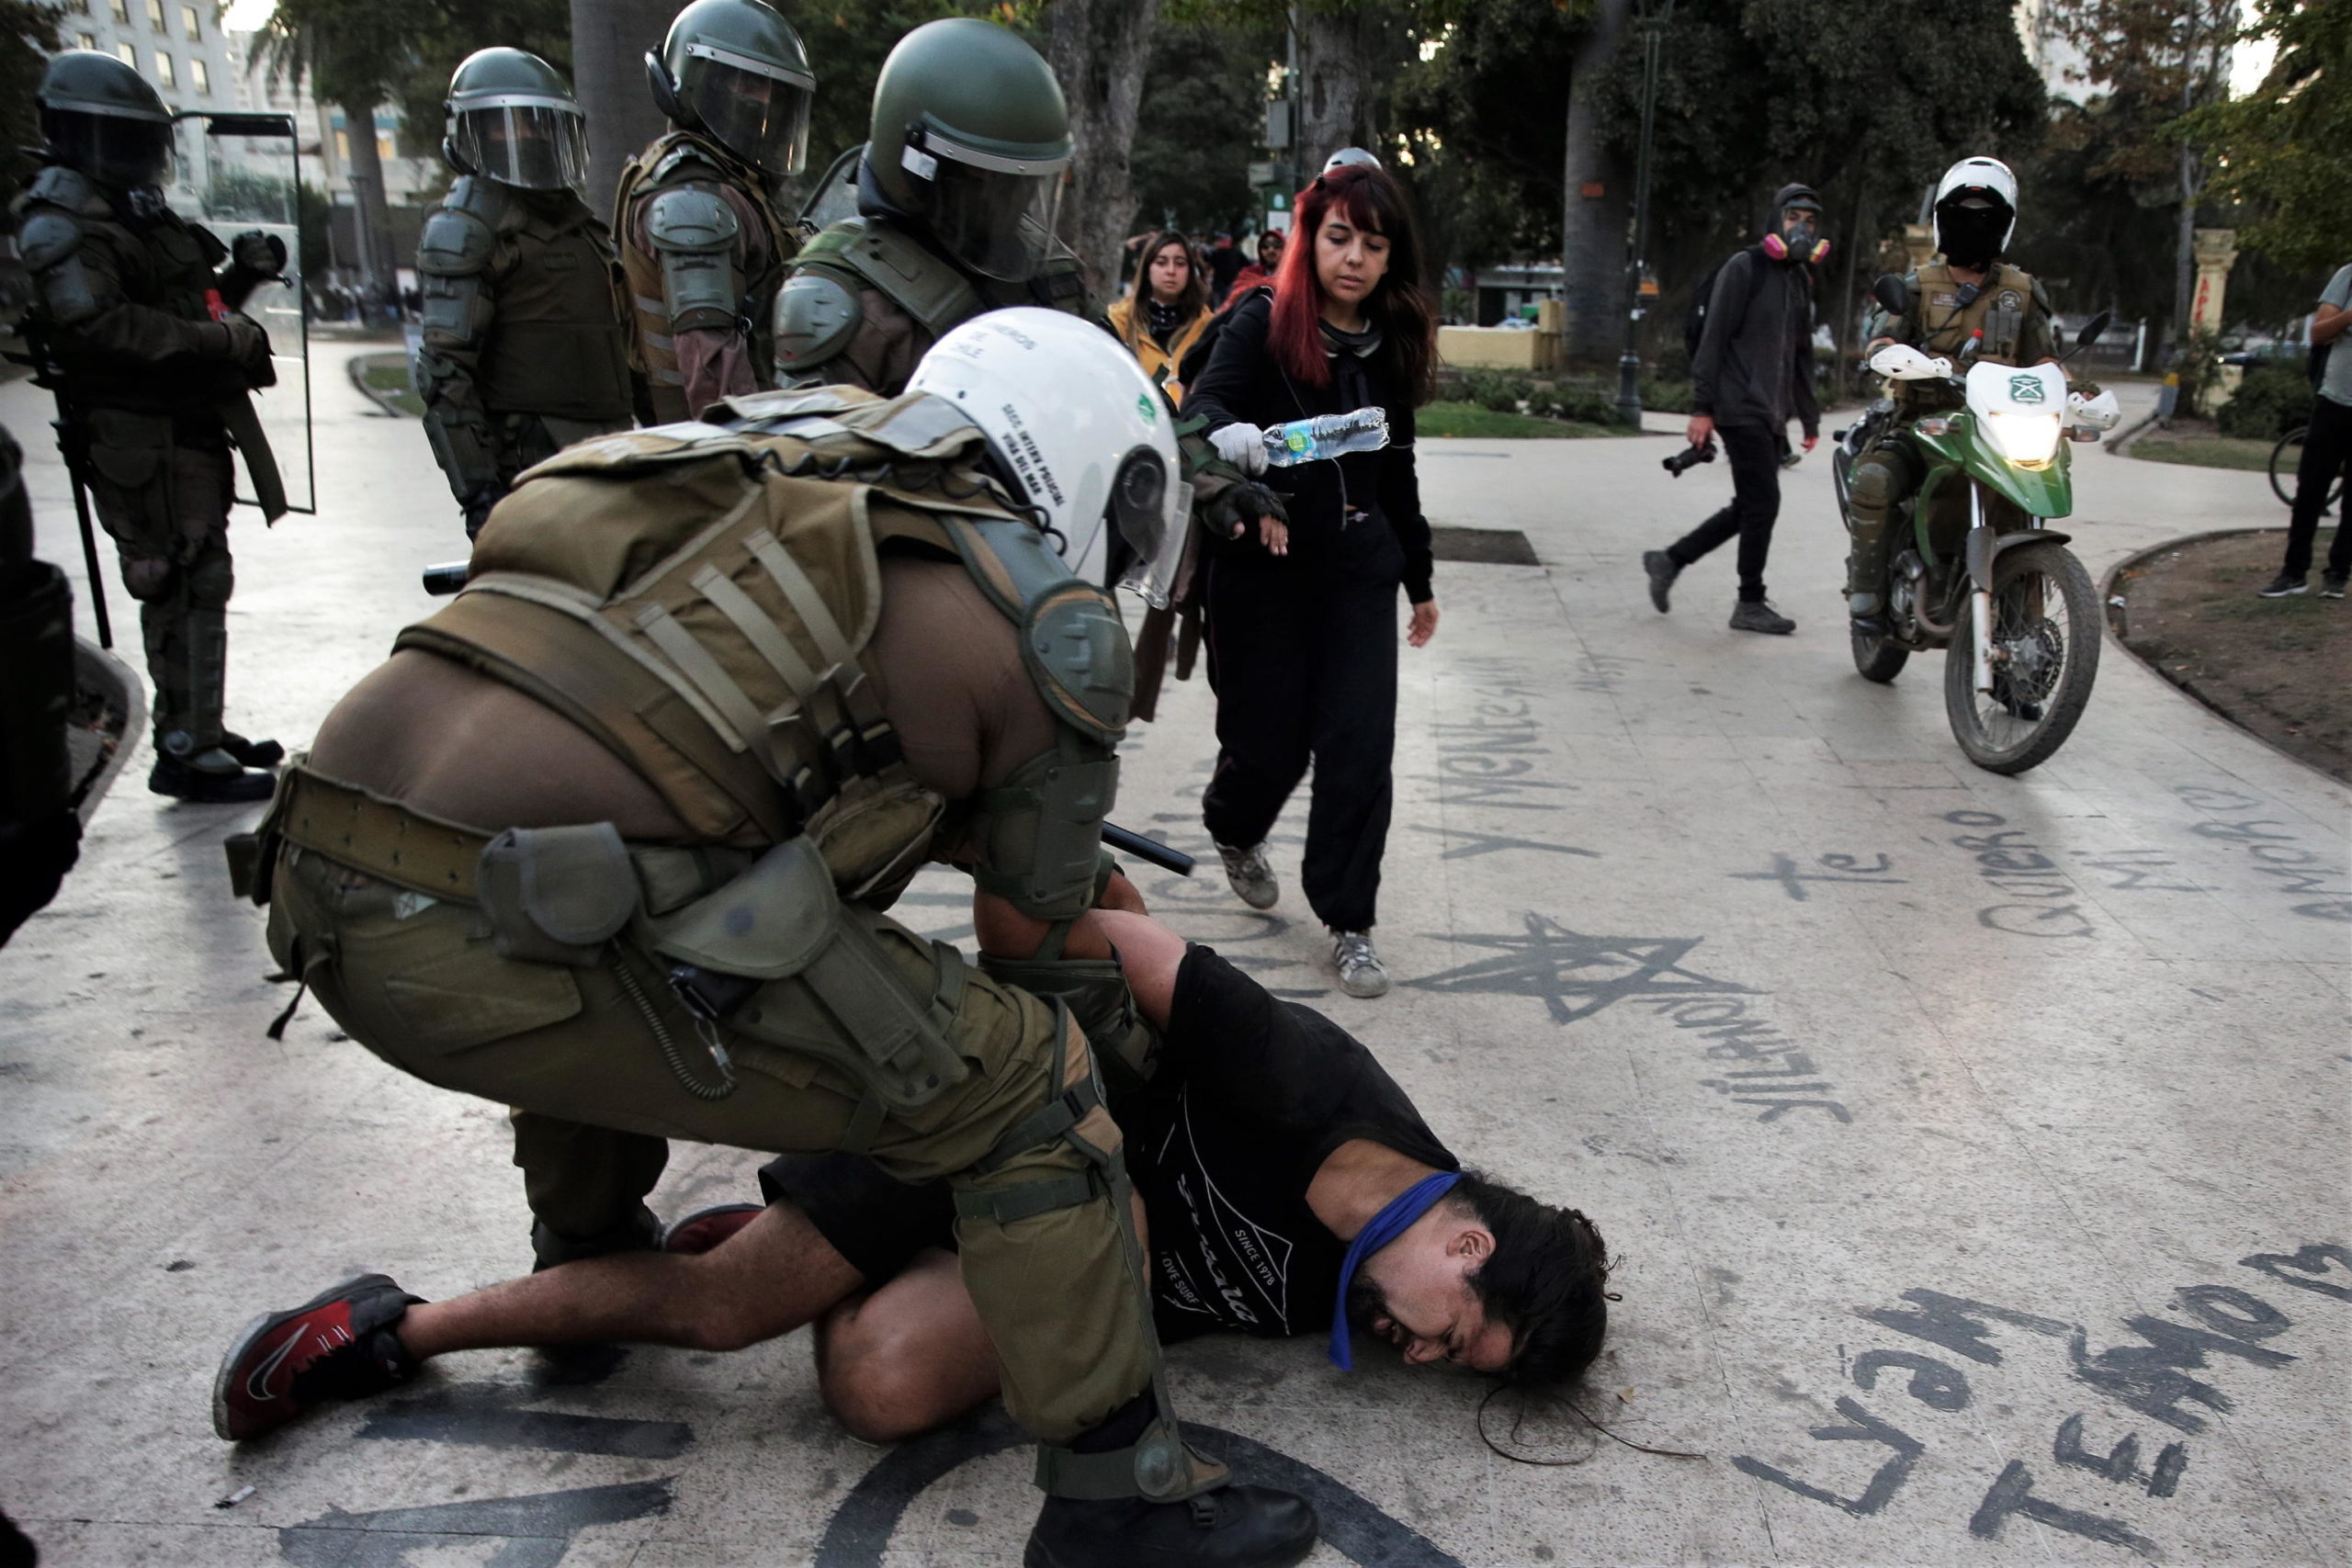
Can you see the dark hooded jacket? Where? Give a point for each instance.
(1755, 361)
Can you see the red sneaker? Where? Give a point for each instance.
(338, 1345)
(705, 1228)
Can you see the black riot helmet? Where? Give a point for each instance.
(99, 116)
(735, 71)
(512, 119)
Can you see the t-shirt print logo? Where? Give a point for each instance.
(2028, 389)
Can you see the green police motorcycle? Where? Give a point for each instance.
(1976, 569)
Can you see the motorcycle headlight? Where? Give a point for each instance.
(2029, 440)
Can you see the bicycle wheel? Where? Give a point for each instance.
(2285, 458)
(2045, 651)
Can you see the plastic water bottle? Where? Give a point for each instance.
(1326, 435)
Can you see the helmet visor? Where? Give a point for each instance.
(994, 214)
(1141, 509)
(114, 148)
(756, 110)
(533, 145)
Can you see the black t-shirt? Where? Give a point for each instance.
(1251, 1095)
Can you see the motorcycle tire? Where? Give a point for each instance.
(2039, 694)
(1879, 659)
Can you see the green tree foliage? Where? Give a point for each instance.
(29, 37)
(1203, 119)
(2285, 148)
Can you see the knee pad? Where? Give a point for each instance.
(1873, 485)
(211, 578)
(149, 579)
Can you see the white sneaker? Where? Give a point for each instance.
(1251, 878)
(1361, 972)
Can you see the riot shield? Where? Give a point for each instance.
(235, 172)
(833, 196)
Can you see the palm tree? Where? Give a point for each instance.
(356, 53)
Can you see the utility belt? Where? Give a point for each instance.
(757, 943)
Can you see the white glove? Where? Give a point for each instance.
(1243, 446)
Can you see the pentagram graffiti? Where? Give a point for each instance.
(1574, 975)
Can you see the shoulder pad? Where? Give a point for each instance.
(675, 161)
(685, 218)
(815, 316)
(493, 203)
(833, 240)
(1077, 650)
(455, 242)
(895, 263)
(47, 237)
(69, 188)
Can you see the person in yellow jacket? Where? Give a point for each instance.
(1164, 311)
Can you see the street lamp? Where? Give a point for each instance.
(1652, 22)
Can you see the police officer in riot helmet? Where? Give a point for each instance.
(135, 318)
(524, 347)
(1965, 303)
(715, 693)
(704, 246)
(956, 193)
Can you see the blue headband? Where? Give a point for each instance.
(1387, 1226)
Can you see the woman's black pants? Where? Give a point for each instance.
(1306, 670)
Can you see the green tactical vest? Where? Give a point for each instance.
(1999, 311)
(559, 345)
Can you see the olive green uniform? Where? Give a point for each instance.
(120, 286)
(704, 250)
(867, 299)
(524, 346)
(698, 602)
(2005, 321)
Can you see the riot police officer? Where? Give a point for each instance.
(703, 243)
(524, 351)
(1966, 304)
(134, 318)
(759, 672)
(957, 194)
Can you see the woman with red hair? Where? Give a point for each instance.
(1301, 601)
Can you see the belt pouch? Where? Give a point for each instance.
(557, 895)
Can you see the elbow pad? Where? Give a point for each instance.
(693, 233)
(50, 246)
(451, 259)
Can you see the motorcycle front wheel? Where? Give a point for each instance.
(2045, 639)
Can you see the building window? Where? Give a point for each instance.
(190, 24)
(85, 40)
(155, 14)
(121, 10)
(127, 54)
(164, 75)
(199, 75)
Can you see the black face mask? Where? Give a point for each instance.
(1973, 235)
(1801, 239)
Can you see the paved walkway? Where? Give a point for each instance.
(1974, 1148)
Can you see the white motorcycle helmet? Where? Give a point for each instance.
(1078, 433)
(1986, 177)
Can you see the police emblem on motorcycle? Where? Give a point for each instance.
(2028, 389)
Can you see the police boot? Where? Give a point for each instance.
(192, 762)
(1870, 500)
(1131, 1494)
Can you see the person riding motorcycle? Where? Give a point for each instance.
(1966, 304)
(137, 318)
(524, 347)
(957, 192)
(704, 246)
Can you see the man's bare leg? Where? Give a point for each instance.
(906, 1356)
(766, 1280)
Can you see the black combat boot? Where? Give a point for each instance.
(180, 779)
(252, 754)
(1227, 1527)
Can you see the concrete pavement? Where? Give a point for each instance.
(1973, 1148)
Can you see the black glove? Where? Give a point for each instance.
(263, 254)
(477, 507)
(1239, 505)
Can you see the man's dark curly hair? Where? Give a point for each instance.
(1546, 1280)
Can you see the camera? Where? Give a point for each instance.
(1689, 457)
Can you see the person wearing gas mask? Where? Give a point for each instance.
(136, 321)
(1753, 371)
(525, 348)
(611, 838)
(1966, 304)
(703, 244)
(957, 192)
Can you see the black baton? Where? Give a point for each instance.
(1152, 850)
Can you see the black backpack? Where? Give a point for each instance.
(1694, 326)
